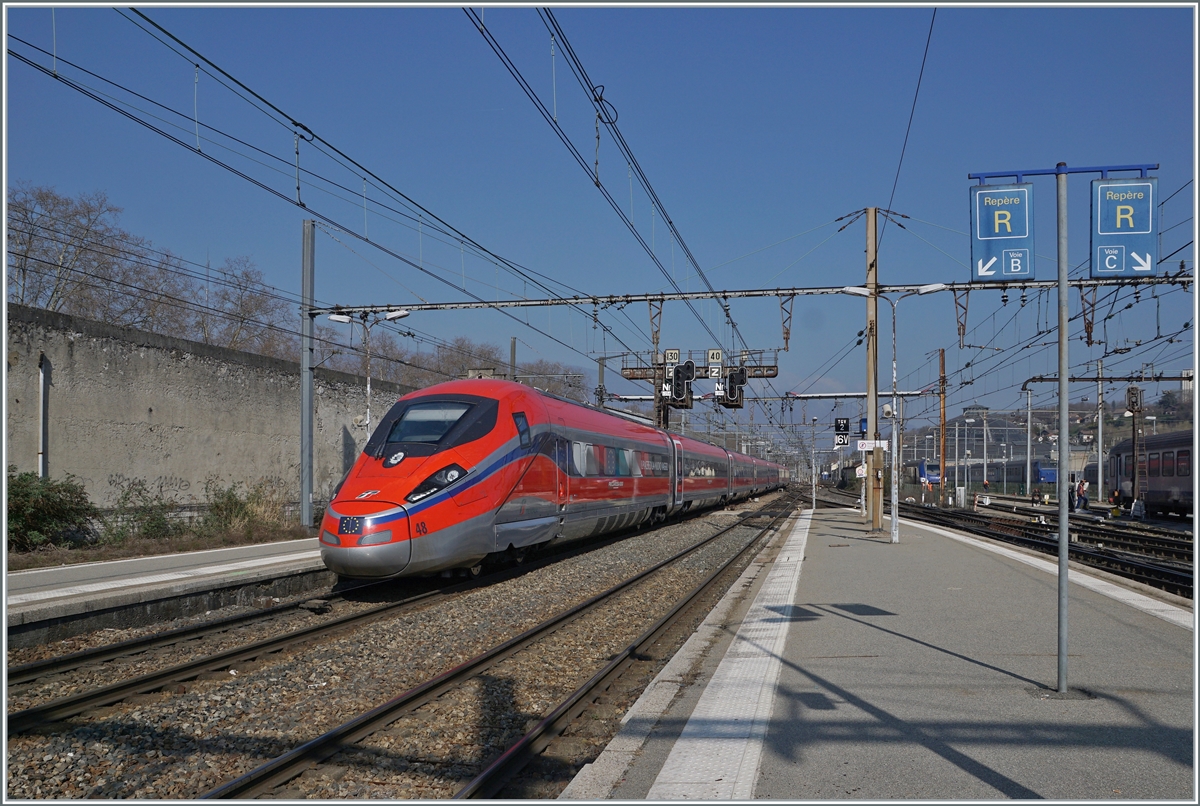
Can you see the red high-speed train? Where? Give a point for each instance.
(470, 470)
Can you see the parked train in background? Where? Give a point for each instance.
(466, 471)
(1164, 467)
(1043, 472)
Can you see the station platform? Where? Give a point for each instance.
(164, 586)
(852, 668)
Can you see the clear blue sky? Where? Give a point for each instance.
(756, 127)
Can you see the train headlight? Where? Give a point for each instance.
(443, 478)
(329, 538)
(375, 538)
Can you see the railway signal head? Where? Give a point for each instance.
(734, 381)
(681, 376)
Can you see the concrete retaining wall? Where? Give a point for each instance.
(122, 404)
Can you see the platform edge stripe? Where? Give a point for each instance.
(1163, 610)
(697, 753)
(171, 576)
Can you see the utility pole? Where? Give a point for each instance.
(942, 436)
(1029, 481)
(512, 359)
(308, 241)
(875, 457)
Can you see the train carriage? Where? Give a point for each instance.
(469, 470)
(1164, 468)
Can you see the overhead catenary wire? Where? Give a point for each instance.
(223, 278)
(312, 211)
(318, 141)
(579, 158)
(911, 114)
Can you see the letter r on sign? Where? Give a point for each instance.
(1124, 213)
(1003, 217)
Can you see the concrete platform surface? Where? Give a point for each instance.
(61, 591)
(927, 669)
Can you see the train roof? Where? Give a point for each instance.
(1151, 442)
(495, 387)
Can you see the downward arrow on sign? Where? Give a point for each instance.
(984, 270)
(1140, 263)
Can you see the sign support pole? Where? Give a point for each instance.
(1064, 425)
(1123, 243)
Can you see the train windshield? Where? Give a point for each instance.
(430, 424)
(427, 422)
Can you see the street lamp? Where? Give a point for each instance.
(813, 465)
(862, 291)
(390, 316)
(967, 433)
(1002, 445)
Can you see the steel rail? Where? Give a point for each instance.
(508, 764)
(1141, 569)
(1171, 578)
(74, 705)
(273, 773)
(66, 663)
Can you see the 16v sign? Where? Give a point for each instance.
(1124, 227)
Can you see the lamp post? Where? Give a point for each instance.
(366, 323)
(813, 464)
(967, 433)
(1003, 459)
(862, 291)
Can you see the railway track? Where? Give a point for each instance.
(111, 661)
(1157, 557)
(183, 740)
(269, 777)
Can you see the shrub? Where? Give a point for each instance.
(141, 513)
(43, 512)
(231, 511)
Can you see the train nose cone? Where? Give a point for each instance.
(366, 540)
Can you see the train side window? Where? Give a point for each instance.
(632, 461)
(1183, 463)
(589, 456)
(622, 462)
(1153, 465)
(1168, 463)
(578, 459)
(610, 461)
(522, 428)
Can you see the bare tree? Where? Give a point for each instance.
(556, 378)
(58, 248)
(244, 313)
(69, 256)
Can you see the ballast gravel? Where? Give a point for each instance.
(185, 742)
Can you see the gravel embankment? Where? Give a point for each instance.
(183, 743)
